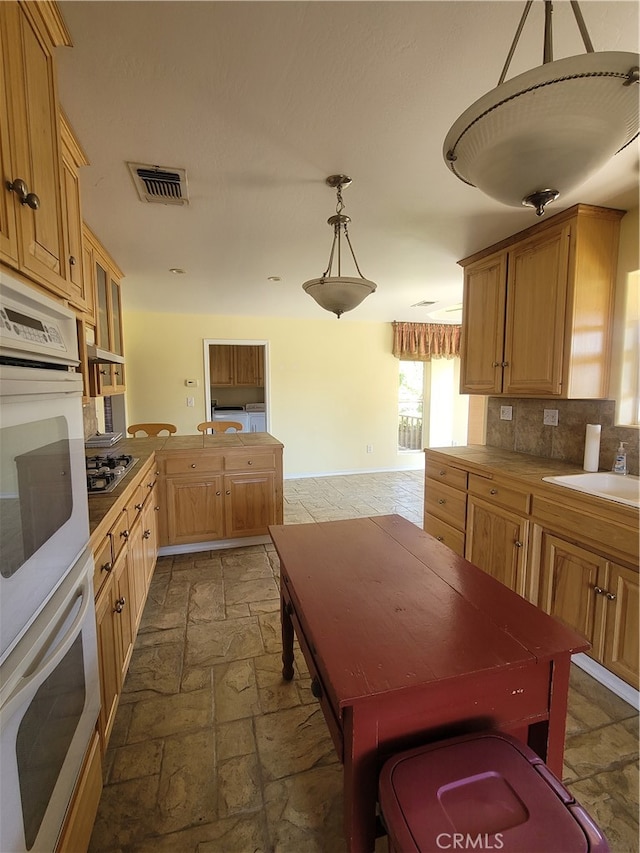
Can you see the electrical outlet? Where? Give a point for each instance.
(550, 417)
(369, 448)
(506, 413)
(191, 401)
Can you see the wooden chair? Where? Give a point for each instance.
(151, 429)
(219, 426)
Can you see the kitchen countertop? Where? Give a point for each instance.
(101, 504)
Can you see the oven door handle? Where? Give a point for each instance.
(48, 662)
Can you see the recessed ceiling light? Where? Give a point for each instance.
(273, 278)
(177, 271)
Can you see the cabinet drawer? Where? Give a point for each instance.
(195, 463)
(494, 492)
(102, 564)
(454, 477)
(444, 533)
(247, 459)
(445, 503)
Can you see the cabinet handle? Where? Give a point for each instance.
(493, 491)
(24, 196)
(193, 464)
(442, 473)
(227, 492)
(106, 567)
(72, 261)
(316, 688)
(496, 363)
(146, 534)
(440, 538)
(104, 373)
(441, 501)
(518, 543)
(138, 507)
(124, 534)
(120, 603)
(157, 508)
(249, 462)
(218, 494)
(611, 596)
(505, 364)
(598, 590)
(150, 485)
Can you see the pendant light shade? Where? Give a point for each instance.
(544, 132)
(339, 293)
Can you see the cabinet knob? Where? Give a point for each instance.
(611, 596)
(441, 501)
(505, 364)
(227, 492)
(518, 544)
(124, 534)
(442, 473)
(157, 508)
(24, 196)
(104, 373)
(146, 534)
(218, 494)
(249, 462)
(495, 363)
(120, 603)
(72, 261)
(440, 538)
(598, 590)
(193, 464)
(150, 485)
(138, 507)
(493, 491)
(106, 567)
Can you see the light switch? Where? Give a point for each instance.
(191, 383)
(191, 401)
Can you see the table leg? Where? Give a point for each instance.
(287, 639)
(558, 701)
(360, 760)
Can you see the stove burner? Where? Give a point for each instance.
(105, 471)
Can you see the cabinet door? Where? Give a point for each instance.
(569, 578)
(73, 232)
(194, 510)
(125, 611)
(8, 232)
(246, 365)
(483, 315)
(621, 626)
(536, 303)
(496, 542)
(109, 645)
(34, 120)
(150, 533)
(137, 572)
(249, 505)
(221, 364)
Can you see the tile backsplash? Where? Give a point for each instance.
(526, 432)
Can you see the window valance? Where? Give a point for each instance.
(424, 341)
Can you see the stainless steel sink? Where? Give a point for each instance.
(603, 484)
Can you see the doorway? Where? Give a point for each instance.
(236, 376)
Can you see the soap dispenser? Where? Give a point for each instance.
(620, 462)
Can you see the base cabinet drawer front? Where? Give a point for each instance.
(196, 463)
(497, 543)
(444, 533)
(262, 459)
(102, 564)
(443, 473)
(445, 503)
(249, 505)
(622, 605)
(499, 494)
(194, 509)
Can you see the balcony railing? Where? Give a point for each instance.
(409, 432)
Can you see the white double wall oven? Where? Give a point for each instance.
(49, 686)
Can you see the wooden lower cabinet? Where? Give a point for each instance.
(496, 541)
(213, 496)
(78, 825)
(597, 597)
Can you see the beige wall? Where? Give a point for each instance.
(333, 384)
(624, 361)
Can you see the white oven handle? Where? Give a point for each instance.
(49, 663)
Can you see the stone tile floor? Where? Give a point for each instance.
(212, 752)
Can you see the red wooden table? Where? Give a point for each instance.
(406, 643)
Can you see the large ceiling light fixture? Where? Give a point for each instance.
(339, 293)
(546, 131)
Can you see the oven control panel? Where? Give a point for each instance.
(24, 327)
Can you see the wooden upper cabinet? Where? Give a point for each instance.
(241, 364)
(538, 307)
(79, 291)
(32, 239)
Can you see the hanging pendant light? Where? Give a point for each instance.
(544, 132)
(339, 293)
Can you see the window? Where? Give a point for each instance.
(431, 411)
(410, 405)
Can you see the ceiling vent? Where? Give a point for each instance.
(159, 184)
(422, 304)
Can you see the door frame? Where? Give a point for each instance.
(208, 342)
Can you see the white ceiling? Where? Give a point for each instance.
(261, 101)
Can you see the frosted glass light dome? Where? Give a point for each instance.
(547, 130)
